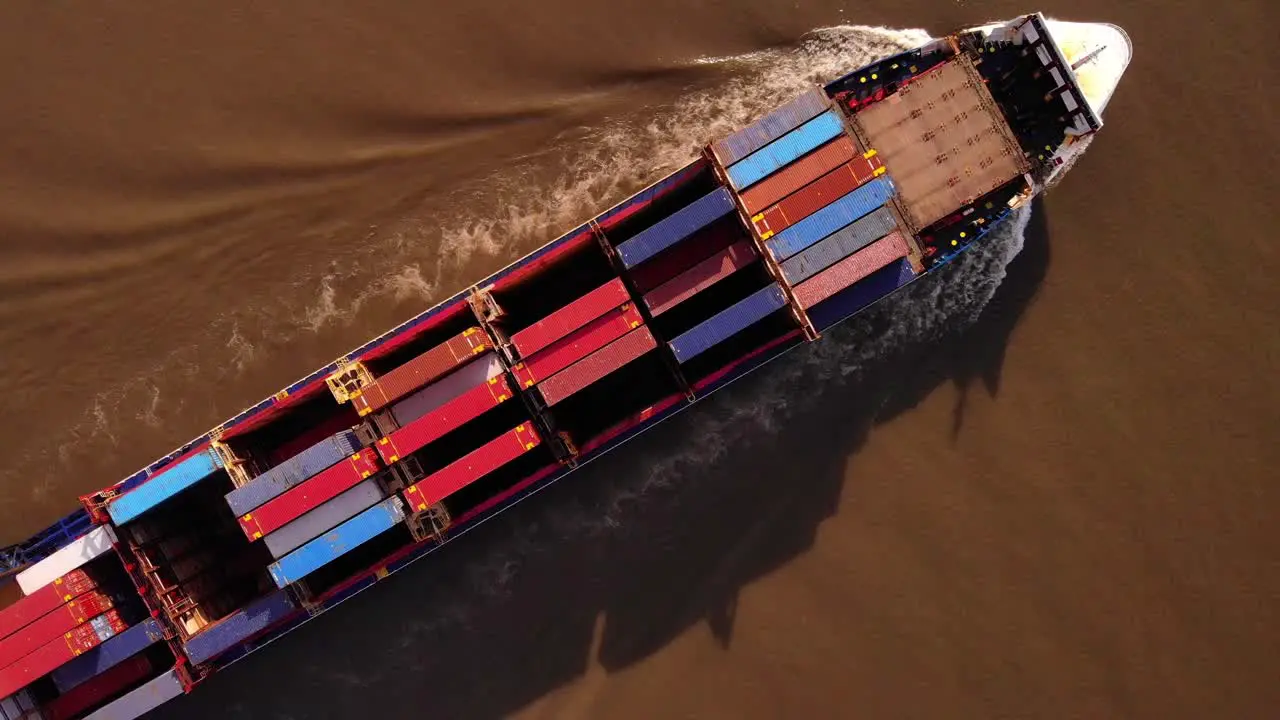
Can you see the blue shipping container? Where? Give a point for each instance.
(785, 150)
(770, 127)
(142, 699)
(309, 462)
(163, 485)
(847, 302)
(676, 227)
(337, 542)
(327, 515)
(239, 626)
(830, 218)
(108, 654)
(728, 322)
(838, 245)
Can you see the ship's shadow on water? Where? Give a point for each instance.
(551, 592)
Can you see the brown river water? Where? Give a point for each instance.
(1034, 486)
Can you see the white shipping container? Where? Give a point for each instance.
(77, 553)
(325, 517)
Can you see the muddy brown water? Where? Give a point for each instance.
(1058, 502)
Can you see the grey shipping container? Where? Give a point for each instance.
(830, 218)
(770, 127)
(327, 515)
(239, 626)
(728, 322)
(109, 654)
(337, 542)
(446, 388)
(838, 245)
(676, 227)
(842, 305)
(280, 478)
(141, 700)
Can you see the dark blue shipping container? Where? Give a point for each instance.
(109, 654)
(163, 485)
(770, 127)
(142, 699)
(842, 305)
(830, 218)
(838, 245)
(676, 227)
(785, 150)
(728, 322)
(309, 462)
(240, 625)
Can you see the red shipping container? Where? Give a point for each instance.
(61, 620)
(798, 174)
(596, 365)
(851, 269)
(571, 317)
(700, 277)
(578, 344)
(421, 370)
(814, 196)
(43, 601)
(310, 494)
(453, 414)
(472, 466)
(98, 689)
(58, 652)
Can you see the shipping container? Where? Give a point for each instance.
(98, 689)
(811, 198)
(799, 173)
(297, 532)
(337, 542)
(163, 485)
(839, 245)
(570, 317)
(71, 556)
(845, 303)
(785, 150)
(850, 270)
(472, 466)
(44, 601)
(59, 651)
(830, 219)
(773, 125)
(595, 366)
(447, 417)
(310, 494)
(485, 367)
(727, 322)
(109, 654)
(700, 277)
(437, 361)
(577, 345)
(239, 626)
(141, 700)
(676, 227)
(19, 706)
(57, 622)
(308, 463)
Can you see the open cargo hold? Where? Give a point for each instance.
(577, 345)
(444, 419)
(838, 245)
(785, 150)
(773, 125)
(676, 227)
(813, 197)
(329, 514)
(472, 466)
(59, 651)
(699, 246)
(570, 317)
(308, 463)
(98, 689)
(727, 322)
(310, 494)
(141, 700)
(163, 485)
(700, 277)
(109, 654)
(596, 365)
(798, 174)
(850, 270)
(829, 219)
(240, 626)
(484, 367)
(44, 601)
(861, 294)
(73, 555)
(437, 361)
(337, 542)
(52, 625)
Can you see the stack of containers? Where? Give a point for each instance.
(434, 363)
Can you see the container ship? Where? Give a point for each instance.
(772, 235)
